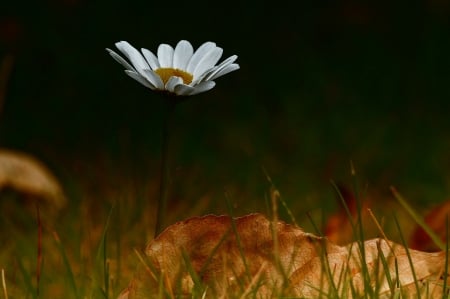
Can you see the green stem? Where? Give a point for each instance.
(169, 105)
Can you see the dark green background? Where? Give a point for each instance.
(321, 83)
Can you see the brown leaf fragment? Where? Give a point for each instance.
(252, 255)
(27, 175)
(436, 219)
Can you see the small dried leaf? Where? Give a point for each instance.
(226, 257)
(436, 219)
(27, 175)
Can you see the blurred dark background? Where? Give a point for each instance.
(321, 84)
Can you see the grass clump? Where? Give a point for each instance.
(91, 253)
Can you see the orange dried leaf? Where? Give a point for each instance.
(226, 257)
(436, 219)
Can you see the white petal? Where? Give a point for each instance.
(165, 55)
(208, 61)
(200, 79)
(151, 59)
(140, 79)
(120, 60)
(133, 56)
(183, 90)
(226, 62)
(173, 82)
(202, 87)
(198, 55)
(227, 69)
(182, 55)
(211, 74)
(155, 79)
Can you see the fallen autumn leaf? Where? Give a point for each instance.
(226, 257)
(27, 175)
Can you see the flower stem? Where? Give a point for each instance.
(169, 108)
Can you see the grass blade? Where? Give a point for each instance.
(198, 288)
(101, 258)
(238, 239)
(385, 266)
(5, 291)
(66, 262)
(409, 257)
(361, 238)
(419, 220)
(444, 288)
(27, 280)
(39, 251)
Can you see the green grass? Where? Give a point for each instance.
(89, 250)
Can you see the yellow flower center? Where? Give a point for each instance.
(166, 72)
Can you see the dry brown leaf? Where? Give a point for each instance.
(27, 175)
(436, 219)
(243, 256)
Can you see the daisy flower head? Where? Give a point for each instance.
(178, 71)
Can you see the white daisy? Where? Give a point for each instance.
(179, 71)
